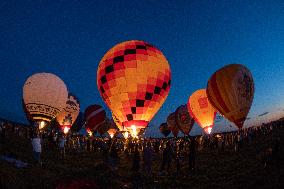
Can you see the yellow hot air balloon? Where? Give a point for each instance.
(44, 97)
(134, 80)
(201, 110)
(68, 115)
(230, 90)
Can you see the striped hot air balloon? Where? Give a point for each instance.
(201, 110)
(134, 80)
(95, 116)
(230, 90)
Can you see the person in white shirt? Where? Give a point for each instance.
(36, 143)
(62, 142)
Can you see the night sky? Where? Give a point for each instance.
(68, 38)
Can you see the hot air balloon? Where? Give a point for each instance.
(134, 80)
(171, 121)
(183, 119)
(103, 128)
(44, 96)
(79, 122)
(230, 90)
(201, 110)
(165, 129)
(68, 115)
(118, 123)
(95, 116)
(112, 129)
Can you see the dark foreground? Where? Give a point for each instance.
(214, 169)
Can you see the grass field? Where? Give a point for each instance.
(229, 169)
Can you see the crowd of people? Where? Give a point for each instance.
(172, 152)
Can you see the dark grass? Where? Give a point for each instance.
(229, 169)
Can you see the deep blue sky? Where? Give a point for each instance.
(68, 38)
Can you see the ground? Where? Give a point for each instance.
(229, 169)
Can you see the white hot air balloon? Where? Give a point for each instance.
(44, 96)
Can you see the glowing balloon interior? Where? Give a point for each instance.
(230, 90)
(201, 110)
(134, 80)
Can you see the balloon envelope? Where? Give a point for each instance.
(230, 90)
(165, 129)
(68, 115)
(201, 110)
(95, 116)
(134, 80)
(44, 96)
(171, 121)
(183, 119)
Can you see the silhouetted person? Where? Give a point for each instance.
(167, 157)
(192, 154)
(136, 160)
(148, 158)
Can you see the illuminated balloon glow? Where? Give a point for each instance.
(171, 121)
(44, 96)
(201, 110)
(68, 115)
(230, 90)
(134, 80)
(183, 119)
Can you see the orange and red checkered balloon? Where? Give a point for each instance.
(134, 79)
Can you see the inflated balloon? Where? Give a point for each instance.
(79, 122)
(183, 119)
(201, 110)
(230, 90)
(44, 96)
(165, 129)
(171, 121)
(134, 80)
(68, 115)
(103, 128)
(112, 129)
(95, 116)
(118, 123)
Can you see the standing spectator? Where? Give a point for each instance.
(192, 154)
(148, 158)
(36, 143)
(62, 142)
(167, 157)
(136, 160)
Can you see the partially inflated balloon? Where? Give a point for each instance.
(68, 115)
(183, 119)
(44, 96)
(171, 121)
(165, 129)
(201, 110)
(230, 90)
(134, 80)
(95, 116)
